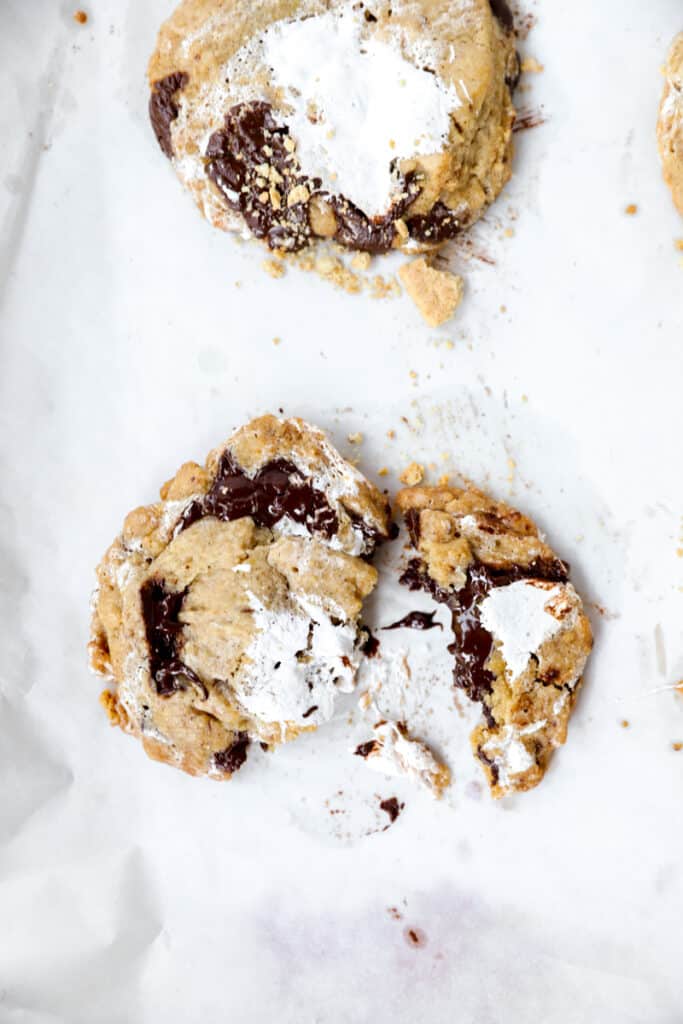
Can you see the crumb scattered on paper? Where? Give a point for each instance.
(81, 17)
(412, 474)
(436, 293)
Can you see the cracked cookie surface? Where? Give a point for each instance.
(228, 612)
(376, 125)
(670, 123)
(522, 637)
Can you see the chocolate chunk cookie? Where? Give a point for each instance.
(379, 125)
(521, 635)
(670, 123)
(228, 612)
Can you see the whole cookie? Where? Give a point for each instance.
(670, 123)
(521, 635)
(379, 125)
(229, 611)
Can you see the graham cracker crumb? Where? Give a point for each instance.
(677, 746)
(444, 480)
(275, 268)
(361, 261)
(383, 471)
(412, 474)
(679, 244)
(531, 64)
(625, 723)
(81, 17)
(355, 438)
(436, 293)
(631, 209)
(299, 194)
(277, 341)
(391, 434)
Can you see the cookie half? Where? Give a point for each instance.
(522, 637)
(670, 123)
(377, 125)
(229, 611)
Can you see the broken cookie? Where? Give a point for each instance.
(229, 611)
(436, 293)
(522, 637)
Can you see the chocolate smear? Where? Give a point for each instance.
(393, 808)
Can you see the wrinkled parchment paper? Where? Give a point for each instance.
(129, 892)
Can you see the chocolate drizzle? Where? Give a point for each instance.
(473, 643)
(163, 108)
(276, 490)
(233, 757)
(160, 611)
(416, 620)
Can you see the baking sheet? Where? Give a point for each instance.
(130, 892)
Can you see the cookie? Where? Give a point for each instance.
(378, 125)
(522, 637)
(228, 612)
(670, 123)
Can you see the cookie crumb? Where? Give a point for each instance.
(679, 244)
(355, 438)
(444, 480)
(412, 474)
(275, 268)
(531, 64)
(436, 293)
(625, 723)
(81, 17)
(110, 704)
(677, 746)
(361, 261)
(391, 434)
(631, 209)
(277, 341)
(383, 471)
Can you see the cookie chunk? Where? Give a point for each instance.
(229, 611)
(394, 752)
(377, 125)
(436, 293)
(670, 123)
(521, 635)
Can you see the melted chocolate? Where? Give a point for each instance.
(473, 643)
(502, 12)
(233, 757)
(370, 645)
(416, 620)
(365, 749)
(160, 611)
(440, 224)
(250, 142)
(392, 807)
(371, 234)
(278, 489)
(163, 108)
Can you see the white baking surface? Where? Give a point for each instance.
(129, 892)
